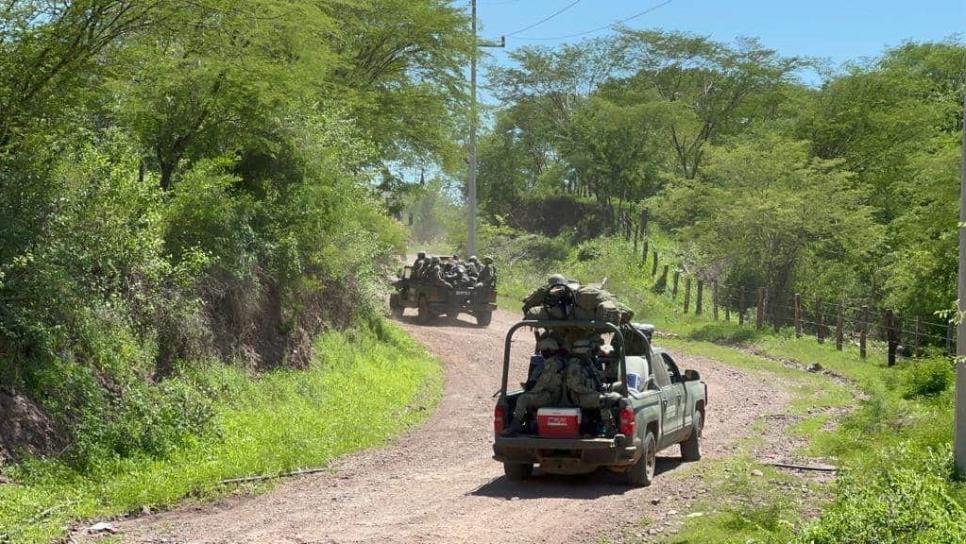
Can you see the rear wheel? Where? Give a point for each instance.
(484, 318)
(642, 473)
(691, 448)
(423, 315)
(517, 471)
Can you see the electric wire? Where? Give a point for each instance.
(600, 28)
(545, 19)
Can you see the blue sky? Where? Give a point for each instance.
(837, 30)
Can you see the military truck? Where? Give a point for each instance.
(434, 301)
(660, 406)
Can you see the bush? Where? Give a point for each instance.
(725, 333)
(925, 378)
(907, 500)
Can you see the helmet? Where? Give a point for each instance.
(556, 279)
(435, 260)
(547, 344)
(487, 260)
(473, 259)
(456, 257)
(421, 255)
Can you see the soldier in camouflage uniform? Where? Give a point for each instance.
(435, 274)
(548, 389)
(487, 275)
(473, 267)
(419, 265)
(584, 387)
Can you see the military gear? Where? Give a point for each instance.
(584, 389)
(547, 391)
(595, 304)
(421, 255)
(556, 279)
(554, 302)
(487, 275)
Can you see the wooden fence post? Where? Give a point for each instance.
(917, 338)
(891, 337)
(654, 266)
(760, 316)
(741, 306)
(687, 294)
(699, 302)
(863, 330)
(840, 322)
(798, 315)
(819, 321)
(674, 288)
(644, 217)
(714, 299)
(637, 234)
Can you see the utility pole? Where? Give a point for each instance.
(959, 448)
(471, 178)
(960, 439)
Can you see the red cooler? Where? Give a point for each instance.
(558, 422)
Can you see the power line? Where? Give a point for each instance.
(598, 29)
(545, 19)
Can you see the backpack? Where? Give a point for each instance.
(595, 304)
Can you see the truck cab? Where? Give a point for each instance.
(659, 407)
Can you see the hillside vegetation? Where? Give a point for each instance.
(842, 190)
(190, 193)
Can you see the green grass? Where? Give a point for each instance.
(363, 388)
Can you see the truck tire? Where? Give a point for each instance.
(517, 471)
(423, 315)
(691, 448)
(395, 306)
(641, 474)
(484, 318)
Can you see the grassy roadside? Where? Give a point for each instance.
(278, 422)
(891, 440)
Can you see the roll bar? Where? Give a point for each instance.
(555, 324)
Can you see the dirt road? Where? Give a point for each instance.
(439, 484)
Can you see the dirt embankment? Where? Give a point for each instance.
(438, 483)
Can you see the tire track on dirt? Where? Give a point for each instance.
(438, 483)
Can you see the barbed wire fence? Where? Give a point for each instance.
(840, 321)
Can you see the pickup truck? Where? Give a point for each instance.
(660, 406)
(433, 301)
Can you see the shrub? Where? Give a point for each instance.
(907, 501)
(925, 378)
(724, 333)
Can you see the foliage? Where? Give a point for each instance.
(262, 426)
(847, 189)
(183, 182)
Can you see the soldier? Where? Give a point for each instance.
(419, 265)
(548, 389)
(487, 275)
(473, 266)
(584, 388)
(435, 274)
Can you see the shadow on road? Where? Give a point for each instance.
(600, 483)
(464, 321)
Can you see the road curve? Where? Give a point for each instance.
(438, 483)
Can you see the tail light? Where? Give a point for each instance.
(628, 422)
(499, 415)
